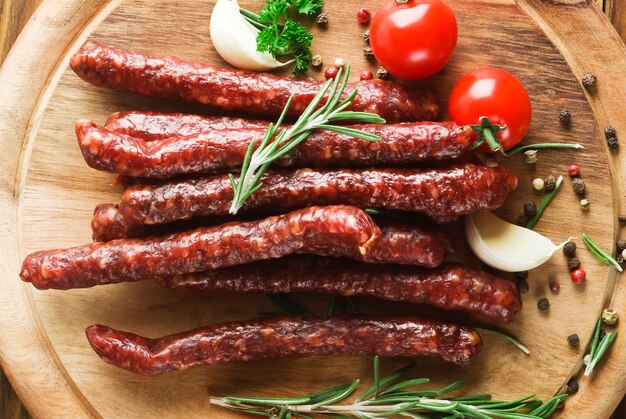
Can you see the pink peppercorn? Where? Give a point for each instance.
(366, 75)
(555, 286)
(330, 72)
(573, 170)
(578, 275)
(363, 15)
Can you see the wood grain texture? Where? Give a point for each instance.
(43, 133)
(616, 12)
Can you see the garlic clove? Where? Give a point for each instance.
(234, 38)
(505, 246)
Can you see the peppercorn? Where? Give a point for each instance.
(584, 204)
(538, 184)
(569, 249)
(573, 263)
(573, 340)
(340, 62)
(555, 286)
(330, 72)
(366, 36)
(578, 275)
(619, 259)
(609, 132)
(382, 73)
(610, 316)
(561, 405)
(316, 60)
(573, 170)
(602, 333)
(322, 19)
(530, 156)
(530, 209)
(579, 186)
(543, 304)
(521, 275)
(368, 53)
(522, 286)
(586, 359)
(572, 387)
(621, 245)
(613, 143)
(363, 15)
(366, 75)
(522, 220)
(565, 117)
(550, 183)
(589, 80)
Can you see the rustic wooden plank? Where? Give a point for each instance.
(616, 11)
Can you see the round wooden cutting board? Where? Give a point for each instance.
(48, 193)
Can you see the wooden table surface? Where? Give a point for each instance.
(13, 16)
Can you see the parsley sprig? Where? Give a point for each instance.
(391, 397)
(279, 141)
(280, 35)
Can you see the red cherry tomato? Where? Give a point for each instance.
(413, 39)
(366, 75)
(499, 96)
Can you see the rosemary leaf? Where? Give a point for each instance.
(339, 396)
(408, 383)
(376, 376)
(387, 380)
(542, 145)
(510, 338)
(600, 253)
(544, 203)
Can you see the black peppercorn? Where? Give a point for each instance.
(572, 387)
(522, 220)
(565, 117)
(573, 263)
(366, 36)
(543, 304)
(368, 53)
(621, 245)
(609, 132)
(521, 275)
(322, 19)
(550, 183)
(579, 186)
(522, 285)
(573, 340)
(613, 143)
(569, 249)
(530, 209)
(589, 80)
(382, 73)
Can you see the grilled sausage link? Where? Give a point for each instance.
(450, 286)
(282, 338)
(442, 194)
(224, 150)
(347, 230)
(237, 90)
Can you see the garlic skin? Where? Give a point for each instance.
(234, 38)
(505, 246)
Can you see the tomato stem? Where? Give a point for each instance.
(487, 133)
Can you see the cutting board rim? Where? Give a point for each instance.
(31, 363)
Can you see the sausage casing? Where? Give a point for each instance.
(237, 90)
(442, 194)
(284, 337)
(450, 286)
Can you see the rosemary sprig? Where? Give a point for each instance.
(599, 253)
(278, 142)
(388, 397)
(599, 347)
(544, 203)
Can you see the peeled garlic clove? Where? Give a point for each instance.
(234, 38)
(505, 246)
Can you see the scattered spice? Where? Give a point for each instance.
(538, 184)
(620, 259)
(555, 286)
(521, 275)
(363, 15)
(316, 60)
(573, 340)
(366, 36)
(382, 73)
(572, 386)
(584, 204)
(573, 263)
(522, 220)
(530, 209)
(613, 143)
(579, 186)
(565, 117)
(569, 249)
(573, 170)
(543, 304)
(561, 405)
(610, 316)
(366, 75)
(578, 275)
(609, 132)
(368, 53)
(589, 80)
(530, 156)
(522, 286)
(545, 202)
(621, 245)
(550, 183)
(330, 73)
(322, 19)
(340, 62)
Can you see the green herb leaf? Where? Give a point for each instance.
(308, 7)
(544, 203)
(510, 338)
(599, 253)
